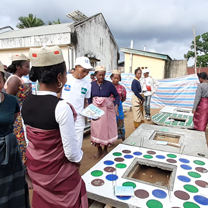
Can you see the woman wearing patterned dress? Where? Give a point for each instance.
(116, 77)
(13, 190)
(16, 86)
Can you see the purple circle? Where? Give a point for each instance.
(123, 197)
(108, 162)
(201, 200)
(186, 167)
(128, 156)
(111, 177)
(184, 178)
(160, 156)
(159, 194)
(184, 160)
(137, 153)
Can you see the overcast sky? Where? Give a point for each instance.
(164, 26)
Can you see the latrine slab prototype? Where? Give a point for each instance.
(160, 179)
(192, 143)
(171, 109)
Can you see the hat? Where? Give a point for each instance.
(19, 57)
(146, 71)
(84, 62)
(100, 68)
(115, 71)
(46, 56)
(2, 67)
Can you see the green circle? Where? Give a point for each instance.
(129, 184)
(171, 155)
(96, 173)
(148, 156)
(120, 165)
(199, 162)
(191, 188)
(154, 204)
(117, 154)
(190, 205)
(194, 174)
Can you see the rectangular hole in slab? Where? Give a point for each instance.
(172, 138)
(182, 110)
(152, 173)
(177, 119)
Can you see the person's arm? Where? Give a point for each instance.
(65, 119)
(123, 95)
(90, 98)
(88, 95)
(116, 96)
(13, 85)
(197, 98)
(136, 88)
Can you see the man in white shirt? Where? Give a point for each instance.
(149, 87)
(76, 91)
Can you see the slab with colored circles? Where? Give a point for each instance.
(190, 184)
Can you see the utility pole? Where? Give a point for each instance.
(195, 49)
(131, 57)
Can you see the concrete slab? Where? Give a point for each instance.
(190, 179)
(183, 111)
(174, 120)
(194, 141)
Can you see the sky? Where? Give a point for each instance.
(164, 26)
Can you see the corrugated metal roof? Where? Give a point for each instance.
(146, 53)
(36, 31)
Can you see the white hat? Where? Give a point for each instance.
(115, 71)
(2, 67)
(100, 68)
(146, 71)
(46, 56)
(19, 57)
(84, 62)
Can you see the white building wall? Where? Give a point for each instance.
(94, 38)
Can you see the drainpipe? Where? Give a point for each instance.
(130, 64)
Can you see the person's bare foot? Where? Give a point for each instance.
(29, 181)
(99, 153)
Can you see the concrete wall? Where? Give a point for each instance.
(5, 55)
(176, 68)
(156, 66)
(94, 38)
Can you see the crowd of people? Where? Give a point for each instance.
(41, 134)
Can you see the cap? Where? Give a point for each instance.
(19, 57)
(116, 72)
(100, 68)
(146, 71)
(46, 56)
(84, 62)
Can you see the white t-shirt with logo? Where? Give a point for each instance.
(75, 91)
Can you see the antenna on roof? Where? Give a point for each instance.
(77, 16)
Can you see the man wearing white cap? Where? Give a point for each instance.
(149, 87)
(76, 91)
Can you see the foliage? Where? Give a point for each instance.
(54, 22)
(30, 21)
(201, 50)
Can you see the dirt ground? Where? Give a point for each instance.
(89, 151)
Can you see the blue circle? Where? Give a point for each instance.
(123, 197)
(137, 153)
(184, 178)
(186, 167)
(201, 200)
(160, 156)
(159, 194)
(112, 177)
(184, 160)
(108, 162)
(128, 156)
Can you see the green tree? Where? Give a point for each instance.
(30, 21)
(201, 50)
(54, 22)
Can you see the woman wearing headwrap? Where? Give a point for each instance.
(104, 130)
(53, 153)
(200, 108)
(116, 77)
(13, 187)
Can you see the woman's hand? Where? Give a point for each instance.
(116, 110)
(142, 101)
(193, 111)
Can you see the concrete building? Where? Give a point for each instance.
(85, 36)
(161, 65)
